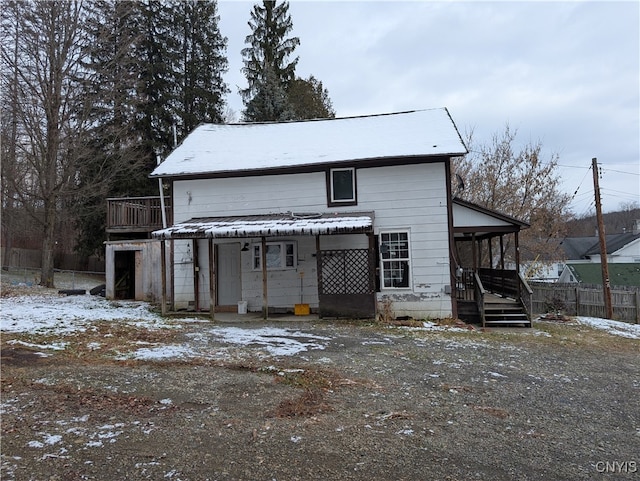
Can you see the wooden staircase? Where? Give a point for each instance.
(498, 299)
(502, 311)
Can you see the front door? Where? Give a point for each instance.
(228, 275)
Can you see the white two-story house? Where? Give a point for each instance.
(341, 215)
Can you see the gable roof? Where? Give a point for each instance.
(583, 247)
(620, 274)
(470, 218)
(615, 242)
(256, 147)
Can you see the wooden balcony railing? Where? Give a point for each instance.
(136, 214)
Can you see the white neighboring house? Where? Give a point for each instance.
(335, 214)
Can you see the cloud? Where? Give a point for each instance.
(564, 73)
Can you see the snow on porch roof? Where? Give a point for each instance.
(219, 148)
(269, 225)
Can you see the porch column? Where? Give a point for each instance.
(265, 295)
(172, 272)
(516, 244)
(319, 274)
(490, 253)
(196, 275)
(473, 251)
(502, 273)
(212, 281)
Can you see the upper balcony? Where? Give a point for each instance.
(136, 215)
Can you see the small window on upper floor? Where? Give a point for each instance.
(341, 187)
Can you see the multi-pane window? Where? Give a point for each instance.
(342, 186)
(278, 255)
(394, 259)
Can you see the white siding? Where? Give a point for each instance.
(407, 197)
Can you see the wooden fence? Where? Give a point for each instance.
(585, 300)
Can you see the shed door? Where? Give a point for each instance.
(228, 275)
(347, 285)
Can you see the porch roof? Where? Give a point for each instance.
(470, 218)
(269, 225)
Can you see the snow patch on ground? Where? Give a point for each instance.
(275, 340)
(616, 328)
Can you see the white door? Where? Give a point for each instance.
(228, 274)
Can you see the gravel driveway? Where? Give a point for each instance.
(332, 400)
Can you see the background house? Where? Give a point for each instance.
(620, 274)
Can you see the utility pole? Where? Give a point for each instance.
(603, 243)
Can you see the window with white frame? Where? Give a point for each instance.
(342, 186)
(279, 255)
(395, 262)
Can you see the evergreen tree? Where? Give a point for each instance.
(267, 67)
(310, 100)
(203, 65)
(154, 65)
(114, 81)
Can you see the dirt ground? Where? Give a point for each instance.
(559, 401)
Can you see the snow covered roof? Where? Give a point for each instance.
(226, 148)
(269, 225)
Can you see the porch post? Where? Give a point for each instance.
(473, 251)
(196, 276)
(163, 276)
(319, 274)
(265, 295)
(502, 273)
(212, 281)
(490, 253)
(516, 244)
(172, 256)
(372, 276)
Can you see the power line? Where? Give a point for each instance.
(619, 171)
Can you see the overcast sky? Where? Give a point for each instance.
(566, 74)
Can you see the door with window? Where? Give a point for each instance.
(228, 275)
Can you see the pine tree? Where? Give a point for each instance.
(119, 164)
(154, 65)
(203, 65)
(310, 100)
(267, 68)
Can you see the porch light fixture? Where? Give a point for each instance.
(245, 247)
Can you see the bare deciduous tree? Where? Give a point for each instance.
(42, 57)
(521, 184)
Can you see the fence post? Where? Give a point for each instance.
(638, 306)
(577, 301)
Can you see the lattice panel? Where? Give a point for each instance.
(346, 272)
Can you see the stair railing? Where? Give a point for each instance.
(526, 296)
(479, 296)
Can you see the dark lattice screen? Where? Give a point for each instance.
(346, 272)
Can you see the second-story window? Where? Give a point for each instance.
(341, 187)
